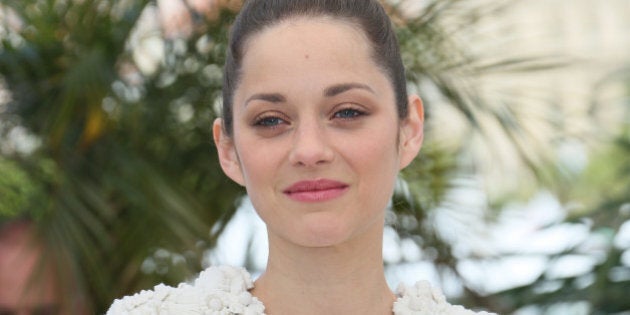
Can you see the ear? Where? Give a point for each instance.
(228, 158)
(411, 131)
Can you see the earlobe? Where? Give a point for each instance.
(228, 158)
(412, 131)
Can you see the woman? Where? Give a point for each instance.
(316, 125)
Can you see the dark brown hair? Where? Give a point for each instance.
(369, 15)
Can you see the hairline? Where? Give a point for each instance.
(353, 22)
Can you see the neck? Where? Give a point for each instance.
(343, 279)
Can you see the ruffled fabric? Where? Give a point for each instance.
(422, 299)
(217, 291)
(224, 290)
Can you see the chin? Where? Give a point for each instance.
(324, 232)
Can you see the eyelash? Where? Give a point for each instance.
(272, 120)
(354, 113)
(268, 121)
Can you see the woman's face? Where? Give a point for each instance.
(317, 142)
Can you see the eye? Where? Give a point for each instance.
(348, 113)
(269, 120)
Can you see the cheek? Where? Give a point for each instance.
(252, 167)
(258, 174)
(376, 162)
(380, 149)
(259, 160)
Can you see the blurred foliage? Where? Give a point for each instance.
(603, 196)
(20, 195)
(15, 189)
(124, 180)
(605, 189)
(124, 177)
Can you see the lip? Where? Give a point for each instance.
(316, 190)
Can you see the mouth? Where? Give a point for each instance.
(316, 190)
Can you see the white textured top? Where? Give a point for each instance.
(224, 290)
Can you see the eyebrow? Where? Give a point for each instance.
(267, 97)
(344, 87)
(330, 91)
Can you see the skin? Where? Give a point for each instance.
(29, 281)
(312, 104)
(19, 257)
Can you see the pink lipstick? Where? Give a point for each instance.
(316, 190)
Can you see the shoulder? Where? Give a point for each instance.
(217, 290)
(422, 299)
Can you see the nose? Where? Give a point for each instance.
(311, 146)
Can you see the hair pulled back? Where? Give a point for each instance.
(369, 15)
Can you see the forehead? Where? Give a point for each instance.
(309, 49)
(307, 37)
(321, 24)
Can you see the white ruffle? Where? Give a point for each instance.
(220, 290)
(422, 299)
(224, 290)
